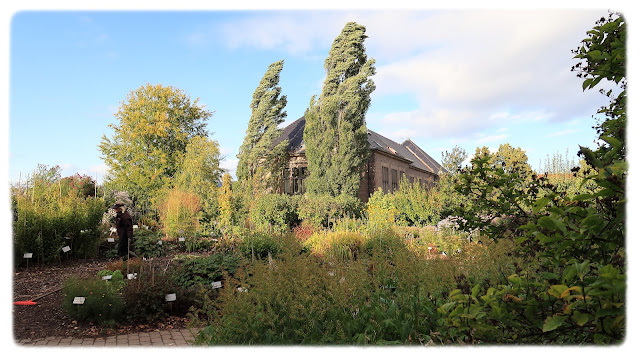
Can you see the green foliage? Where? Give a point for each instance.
(259, 163)
(146, 244)
(155, 125)
(335, 133)
(388, 296)
(103, 303)
(205, 270)
(144, 297)
(225, 202)
(452, 161)
(200, 174)
(117, 279)
(274, 212)
(260, 245)
(324, 210)
(574, 290)
(51, 212)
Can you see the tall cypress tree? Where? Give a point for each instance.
(335, 133)
(258, 161)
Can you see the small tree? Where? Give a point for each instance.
(225, 202)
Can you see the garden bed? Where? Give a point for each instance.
(47, 318)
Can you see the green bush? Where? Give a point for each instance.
(274, 213)
(146, 243)
(103, 303)
(205, 270)
(51, 212)
(325, 210)
(388, 297)
(144, 297)
(260, 245)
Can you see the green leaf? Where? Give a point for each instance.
(557, 290)
(580, 318)
(552, 323)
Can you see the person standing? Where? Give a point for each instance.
(124, 228)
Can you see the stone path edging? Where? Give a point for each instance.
(175, 338)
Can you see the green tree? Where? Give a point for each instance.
(452, 161)
(200, 173)
(259, 164)
(145, 152)
(225, 202)
(335, 133)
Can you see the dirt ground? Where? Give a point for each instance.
(47, 318)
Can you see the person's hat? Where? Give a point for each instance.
(118, 204)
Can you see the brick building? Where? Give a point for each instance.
(388, 163)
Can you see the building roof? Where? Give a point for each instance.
(408, 151)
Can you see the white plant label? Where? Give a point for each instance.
(78, 300)
(113, 230)
(160, 242)
(215, 239)
(217, 284)
(145, 226)
(106, 277)
(110, 240)
(181, 239)
(135, 226)
(66, 249)
(28, 255)
(242, 289)
(132, 275)
(170, 297)
(84, 231)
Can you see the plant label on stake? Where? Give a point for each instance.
(65, 249)
(160, 242)
(217, 284)
(170, 297)
(28, 255)
(78, 300)
(181, 239)
(110, 240)
(106, 277)
(135, 226)
(132, 275)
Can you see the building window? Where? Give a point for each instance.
(401, 176)
(385, 179)
(294, 179)
(420, 182)
(411, 179)
(394, 180)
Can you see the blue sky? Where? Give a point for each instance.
(444, 77)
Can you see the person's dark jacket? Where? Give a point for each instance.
(124, 228)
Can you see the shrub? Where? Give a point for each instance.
(178, 213)
(260, 245)
(144, 297)
(274, 212)
(146, 244)
(336, 245)
(49, 213)
(205, 270)
(325, 210)
(116, 281)
(103, 303)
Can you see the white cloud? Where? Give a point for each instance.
(490, 139)
(562, 133)
(230, 164)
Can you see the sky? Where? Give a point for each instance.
(461, 77)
